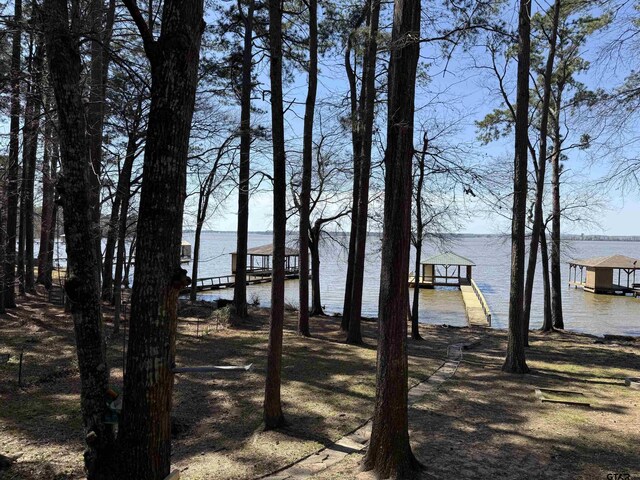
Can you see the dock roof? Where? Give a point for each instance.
(612, 261)
(448, 258)
(267, 250)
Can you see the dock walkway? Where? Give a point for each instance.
(478, 312)
(220, 282)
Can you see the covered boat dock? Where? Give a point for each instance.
(259, 260)
(444, 270)
(452, 270)
(598, 274)
(259, 269)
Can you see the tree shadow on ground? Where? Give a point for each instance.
(488, 424)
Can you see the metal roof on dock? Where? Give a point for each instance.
(612, 261)
(448, 258)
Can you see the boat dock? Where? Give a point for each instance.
(597, 275)
(451, 270)
(221, 282)
(609, 289)
(258, 268)
(478, 312)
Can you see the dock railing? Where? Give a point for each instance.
(481, 299)
(211, 282)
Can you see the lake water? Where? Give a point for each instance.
(583, 312)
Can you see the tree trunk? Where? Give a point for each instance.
(110, 247)
(348, 286)
(83, 264)
(55, 222)
(556, 279)
(127, 266)
(415, 310)
(273, 417)
(356, 140)
(307, 160)
(415, 325)
(314, 245)
(108, 285)
(12, 169)
(145, 427)
(240, 287)
(53, 237)
(121, 256)
(206, 190)
(49, 166)
(364, 159)
(203, 203)
(123, 195)
(100, 24)
(547, 324)
(101, 28)
(515, 360)
(541, 177)
(38, 67)
(389, 454)
(29, 158)
(2, 250)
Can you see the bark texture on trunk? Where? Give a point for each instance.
(108, 285)
(203, 203)
(368, 97)
(121, 255)
(13, 168)
(556, 279)
(314, 246)
(2, 250)
(389, 454)
(547, 324)
(240, 287)
(356, 141)
(415, 325)
(145, 426)
(100, 23)
(307, 160)
(101, 29)
(273, 416)
(123, 194)
(83, 264)
(29, 159)
(541, 177)
(515, 359)
(49, 168)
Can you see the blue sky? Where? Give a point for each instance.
(465, 94)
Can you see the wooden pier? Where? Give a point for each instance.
(221, 282)
(478, 312)
(259, 270)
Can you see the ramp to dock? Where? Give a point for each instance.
(478, 313)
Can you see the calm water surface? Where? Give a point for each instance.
(584, 312)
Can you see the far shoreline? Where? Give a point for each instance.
(567, 237)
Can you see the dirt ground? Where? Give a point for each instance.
(481, 424)
(485, 424)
